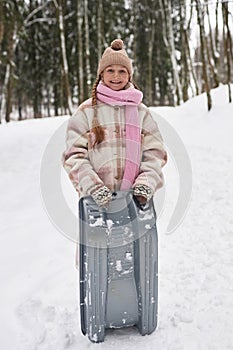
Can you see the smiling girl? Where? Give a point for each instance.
(113, 143)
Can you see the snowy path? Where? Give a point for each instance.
(39, 294)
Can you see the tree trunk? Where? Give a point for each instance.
(203, 54)
(135, 43)
(47, 89)
(100, 22)
(211, 52)
(80, 50)
(185, 71)
(150, 87)
(56, 100)
(1, 22)
(65, 69)
(190, 62)
(217, 49)
(20, 108)
(87, 48)
(227, 46)
(4, 92)
(169, 42)
(6, 102)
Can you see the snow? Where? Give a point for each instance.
(118, 265)
(97, 222)
(39, 286)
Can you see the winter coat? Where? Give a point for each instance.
(90, 166)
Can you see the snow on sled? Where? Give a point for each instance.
(118, 266)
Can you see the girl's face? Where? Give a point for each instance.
(115, 77)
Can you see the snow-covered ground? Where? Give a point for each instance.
(39, 286)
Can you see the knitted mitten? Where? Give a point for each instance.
(102, 196)
(143, 193)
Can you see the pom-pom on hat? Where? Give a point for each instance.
(115, 54)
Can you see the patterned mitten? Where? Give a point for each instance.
(143, 193)
(102, 196)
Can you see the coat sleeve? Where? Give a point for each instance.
(76, 159)
(154, 155)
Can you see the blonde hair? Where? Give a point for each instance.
(97, 129)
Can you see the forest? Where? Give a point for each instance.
(49, 51)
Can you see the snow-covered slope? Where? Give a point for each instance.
(39, 290)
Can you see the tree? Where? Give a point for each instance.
(87, 48)
(168, 38)
(81, 93)
(10, 18)
(1, 22)
(227, 46)
(65, 68)
(211, 52)
(200, 16)
(188, 76)
(100, 35)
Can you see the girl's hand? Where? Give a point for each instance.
(142, 200)
(102, 196)
(142, 193)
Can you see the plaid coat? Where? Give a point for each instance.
(90, 167)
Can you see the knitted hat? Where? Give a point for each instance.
(115, 54)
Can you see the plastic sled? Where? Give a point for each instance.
(118, 266)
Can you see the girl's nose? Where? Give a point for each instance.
(116, 74)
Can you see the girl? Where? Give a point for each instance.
(113, 143)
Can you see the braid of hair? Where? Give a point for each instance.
(135, 85)
(93, 92)
(96, 127)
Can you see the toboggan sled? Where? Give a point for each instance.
(118, 266)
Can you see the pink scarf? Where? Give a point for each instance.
(130, 98)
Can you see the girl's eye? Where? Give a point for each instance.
(122, 71)
(110, 70)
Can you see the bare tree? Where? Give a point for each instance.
(188, 76)
(211, 52)
(6, 100)
(185, 71)
(9, 73)
(151, 34)
(169, 42)
(1, 22)
(227, 46)
(204, 57)
(87, 47)
(65, 69)
(100, 21)
(80, 15)
(217, 48)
